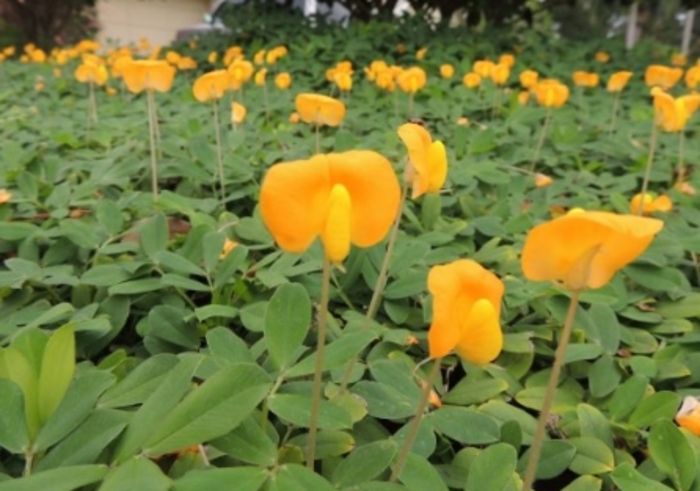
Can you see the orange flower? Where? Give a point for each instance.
(585, 248)
(523, 97)
(551, 93)
(173, 57)
(229, 245)
(118, 65)
(649, 204)
(212, 57)
(447, 70)
(507, 60)
(466, 312)
(586, 79)
(386, 79)
(471, 80)
(111, 91)
(420, 54)
(186, 63)
(320, 109)
(412, 80)
(662, 76)
(343, 80)
(283, 80)
(149, 75)
(427, 169)
(602, 57)
(463, 121)
(259, 57)
(5, 196)
(543, 180)
(240, 71)
(692, 77)
(231, 54)
(342, 198)
(672, 114)
(500, 73)
(483, 68)
(528, 79)
(688, 416)
(211, 86)
(260, 77)
(679, 60)
(238, 113)
(91, 71)
(618, 81)
(686, 188)
(294, 117)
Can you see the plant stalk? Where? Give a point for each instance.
(540, 142)
(616, 107)
(151, 134)
(318, 372)
(650, 161)
(538, 438)
(415, 423)
(219, 156)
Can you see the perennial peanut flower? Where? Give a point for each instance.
(692, 77)
(342, 198)
(483, 68)
(320, 109)
(672, 114)
(662, 76)
(507, 60)
(584, 249)
(447, 70)
(412, 80)
(187, 63)
(471, 80)
(427, 168)
(151, 75)
(466, 312)
(650, 204)
(5, 196)
(420, 54)
(294, 118)
(586, 79)
(500, 73)
(523, 97)
(91, 72)
(229, 245)
(211, 86)
(685, 187)
(679, 60)
(543, 180)
(551, 93)
(260, 76)
(688, 416)
(283, 80)
(602, 57)
(238, 113)
(528, 79)
(618, 81)
(240, 71)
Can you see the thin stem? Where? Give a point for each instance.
(156, 126)
(379, 285)
(616, 106)
(317, 137)
(415, 423)
(538, 438)
(540, 142)
(93, 102)
(28, 463)
(151, 134)
(410, 105)
(681, 155)
(318, 373)
(267, 104)
(219, 156)
(647, 171)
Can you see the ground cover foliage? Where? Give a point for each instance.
(137, 355)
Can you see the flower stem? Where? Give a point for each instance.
(410, 105)
(151, 134)
(219, 157)
(647, 171)
(415, 423)
(318, 138)
(267, 104)
(379, 285)
(540, 142)
(538, 438)
(318, 373)
(616, 106)
(681, 154)
(93, 103)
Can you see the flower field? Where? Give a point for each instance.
(429, 265)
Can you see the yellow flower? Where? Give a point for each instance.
(685, 187)
(238, 113)
(342, 198)
(187, 63)
(173, 58)
(586, 79)
(5, 196)
(466, 312)
(672, 114)
(543, 180)
(260, 77)
(294, 117)
(618, 81)
(412, 80)
(229, 245)
(584, 249)
(463, 121)
(602, 57)
(447, 70)
(523, 97)
(650, 204)
(507, 60)
(420, 54)
(551, 93)
(213, 57)
(483, 68)
(259, 57)
(374, 69)
(500, 73)
(92, 71)
(662, 76)
(688, 416)
(320, 109)
(211, 86)
(151, 75)
(386, 80)
(471, 80)
(283, 80)
(343, 81)
(528, 79)
(679, 60)
(692, 77)
(231, 54)
(427, 168)
(240, 71)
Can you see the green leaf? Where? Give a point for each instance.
(592, 456)
(672, 454)
(232, 479)
(294, 477)
(136, 473)
(64, 479)
(662, 405)
(627, 478)
(140, 382)
(585, 483)
(153, 235)
(384, 401)
(419, 475)
(79, 233)
(212, 409)
(465, 425)
(15, 367)
(628, 396)
(603, 377)
(177, 263)
(287, 321)
(338, 353)
(57, 369)
(137, 287)
(168, 323)
(105, 275)
(248, 443)
(494, 470)
(157, 406)
(226, 348)
(208, 311)
(555, 458)
(365, 463)
(504, 412)
(470, 391)
(684, 308)
(109, 216)
(13, 425)
(14, 231)
(594, 424)
(87, 441)
(329, 443)
(410, 283)
(294, 408)
(79, 401)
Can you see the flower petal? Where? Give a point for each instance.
(481, 339)
(293, 200)
(417, 140)
(437, 166)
